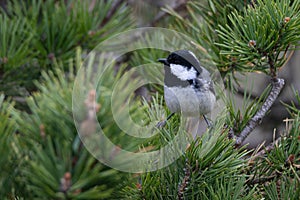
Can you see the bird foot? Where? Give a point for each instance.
(161, 124)
(208, 122)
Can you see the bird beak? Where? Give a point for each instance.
(163, 60)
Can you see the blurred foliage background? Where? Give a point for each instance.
(43, 43)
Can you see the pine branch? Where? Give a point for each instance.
(260, 180)
(180, 6)
(277, 85)
(266, 149)
(112, 11)
(185, 181)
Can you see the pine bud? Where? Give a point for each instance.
(51, 56)
(91, 33)
(65, 182)
(287, 19)
(42, 131)
(291, 159)
(4, 60)
(252, 43)
(138, 186)
(67, 176)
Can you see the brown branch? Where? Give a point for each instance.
(272, 145)
(266, 149)
(260, 180)
(162, 14)
(185, 181)
(277, 85)
(111, 12)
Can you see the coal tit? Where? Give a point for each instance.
(188, 87)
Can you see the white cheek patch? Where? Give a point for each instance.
(183, 73)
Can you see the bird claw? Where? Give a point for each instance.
(208, 122)
(161, 124)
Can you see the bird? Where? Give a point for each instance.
(188, 87)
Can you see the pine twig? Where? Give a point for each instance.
(277, 85)
(181, 5)
(271, 146)
(261, 180)
(185, 181)
(266, 149)
(112, 11)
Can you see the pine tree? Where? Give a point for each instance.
(43, 156)
(36, 33)
(237, 37)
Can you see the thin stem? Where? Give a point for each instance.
(260, 180)
(112, 11)
(277, 85)
(266, 149)
(272, 67)
(180, 5)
